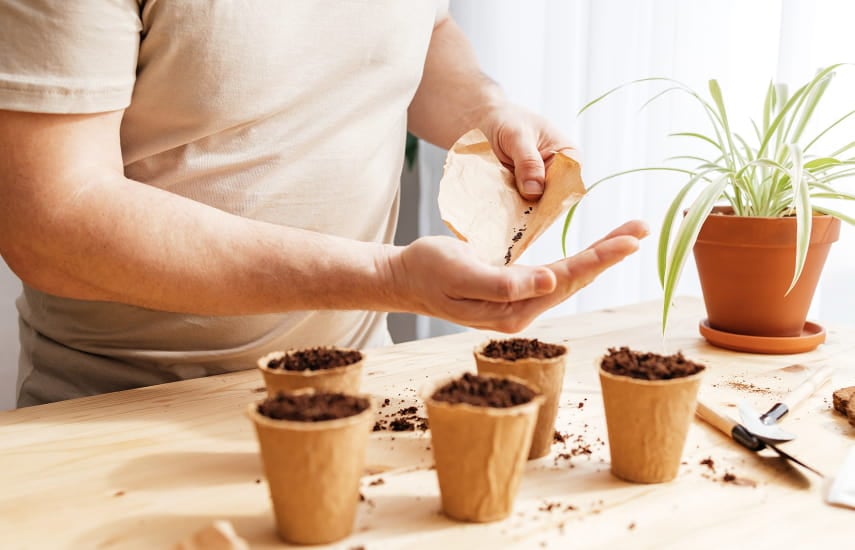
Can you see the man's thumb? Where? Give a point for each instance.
(528, 168)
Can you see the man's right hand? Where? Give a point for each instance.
(442, 277)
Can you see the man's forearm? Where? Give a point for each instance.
(454, 95)
(72, 225)
(118, 240)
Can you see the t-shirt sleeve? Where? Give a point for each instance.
(68, 56)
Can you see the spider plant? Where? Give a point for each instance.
(776, 171)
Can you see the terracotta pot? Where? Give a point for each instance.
(746, 264)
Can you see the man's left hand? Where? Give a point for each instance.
(525, 143)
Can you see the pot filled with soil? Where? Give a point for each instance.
(313, 452)
(481, 432)
(541, 365)
(328, 369)
(649, 401)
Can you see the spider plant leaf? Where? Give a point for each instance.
(804, 213)
(718, 99)
(685, 239)
(821, 163)
(812, 99)
(570, 213)
(671, 215)
(620, 87)
(837, 214)
(843, 149)
(828, 129)
(698, 136)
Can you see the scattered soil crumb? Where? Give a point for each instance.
(258, 480)
(729, 477)
(709, 463)
(559, 437)
(360, 547)
(386, 402)
(119, 494)
(376, 482)
(748, 387)
(548, 506)
(631, 526)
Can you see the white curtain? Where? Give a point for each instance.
(553, 56)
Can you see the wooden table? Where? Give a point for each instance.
(146, 468)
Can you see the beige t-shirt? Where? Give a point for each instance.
(292, 112)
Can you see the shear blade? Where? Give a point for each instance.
(770, 433)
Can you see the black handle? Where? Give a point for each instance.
(774, 414)
(746, 438)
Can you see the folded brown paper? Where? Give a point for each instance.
(344, 379)
(313, 471)
(647, 422)
(480, 454)
(479, 201)
(546, 376)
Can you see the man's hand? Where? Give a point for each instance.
(524, 142)
(442, 277)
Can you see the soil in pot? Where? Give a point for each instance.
(649, 401)
(327, 369)
(541, 365)
(648, 366)
(481, 432)
(314, 359)
(313, 452)
(515, 349)
(313, 407)
(484, 391)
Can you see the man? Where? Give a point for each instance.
(187, 185)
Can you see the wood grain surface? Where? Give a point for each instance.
(146, 468)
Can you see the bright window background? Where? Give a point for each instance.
(555, 55)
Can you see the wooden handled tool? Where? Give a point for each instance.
(741, 435)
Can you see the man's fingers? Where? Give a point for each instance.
(633, 228)
(505, 284)
(529, 171)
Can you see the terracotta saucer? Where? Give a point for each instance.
(812, 336)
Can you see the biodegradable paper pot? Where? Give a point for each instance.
(647, 422)
(546, 376)
(480, 454)
(344, 379)
(313, 471)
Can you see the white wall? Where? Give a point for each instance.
(10, 288)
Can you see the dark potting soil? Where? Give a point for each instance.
(316, 359)
(484, 391)
(312, 407)
(648, 366)
(513, 349)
